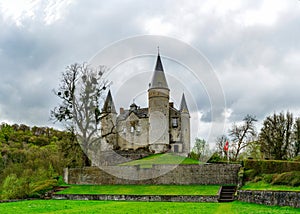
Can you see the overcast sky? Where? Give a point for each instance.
(253, 47)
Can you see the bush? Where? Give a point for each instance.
(41, 187)
(14, 187)
(271, 166)
(287, 178)
(215, 158)
(257, 179)
(268, 178)
(249, 174)
(194, 156)
(297, 159)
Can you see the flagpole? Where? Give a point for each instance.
(228, 156)
(226, 149)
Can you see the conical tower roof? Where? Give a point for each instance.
(109, 106)
(159, 78)
(183, 105)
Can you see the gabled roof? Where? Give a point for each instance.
(159, 78)
(183, 105)
(109, 106)
(140, 113)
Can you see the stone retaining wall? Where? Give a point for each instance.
(158, 174)
(280, 198)
(164, 198)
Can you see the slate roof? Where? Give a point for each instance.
(109, 105)
(183, 105)
(159, 78)
(139, 112)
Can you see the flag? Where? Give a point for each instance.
(226, 146)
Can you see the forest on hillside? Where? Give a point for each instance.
(33, 158)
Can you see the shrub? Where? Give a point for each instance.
(271, 166)
(249, 174)
(41, 187)
(297, 159)
(257, 179)
(268, 178)
(14, 187)
(194, 156)
(215, 158)
(287, 178)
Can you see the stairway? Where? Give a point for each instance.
(226, 193)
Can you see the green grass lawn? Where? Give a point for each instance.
(266, 186)
(63, 206)
(167, 158)
(143, 189)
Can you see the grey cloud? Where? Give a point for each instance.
(250, 61)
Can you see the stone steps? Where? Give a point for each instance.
(226, 193)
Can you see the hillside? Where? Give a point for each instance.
(167, 158)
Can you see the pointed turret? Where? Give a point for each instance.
(159, 78)
(158, 97)
(109, 106)
(185, 126)
(108, 126)
(183, 105)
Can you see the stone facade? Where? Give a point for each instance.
(160, 127)
(161, 174)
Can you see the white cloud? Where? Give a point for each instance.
(267, 13)
(157, 26)
(18, 11)
(55, 10)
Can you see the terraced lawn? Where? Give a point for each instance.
(87, 207)
(266, 186)
(166, 158)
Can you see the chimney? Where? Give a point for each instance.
(122, 110)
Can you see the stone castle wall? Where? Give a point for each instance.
(279, 198)
(158, 174)
(157, 198)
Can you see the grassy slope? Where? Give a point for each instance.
(161, 159)
(143, 189)
(62, 206)
(266, 186)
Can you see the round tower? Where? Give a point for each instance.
(158, 102)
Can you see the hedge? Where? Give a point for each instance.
(271, 166)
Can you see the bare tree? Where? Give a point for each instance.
(80, 93)
(242, 134)
(220, 143)
(276, 136)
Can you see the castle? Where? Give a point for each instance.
(159, 128)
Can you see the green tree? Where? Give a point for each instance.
(276, 136)
(6, 131)
(296, 137)
(200, 150)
